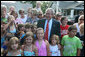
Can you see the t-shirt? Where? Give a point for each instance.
(64, 30)
(54, 50)
(77, 26)
(18, 21)
(4, 20)
(70, 45)
(23, 19)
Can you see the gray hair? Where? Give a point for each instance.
(52, 11)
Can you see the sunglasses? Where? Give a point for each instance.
(81, 19)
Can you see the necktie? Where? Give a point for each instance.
(46, 33)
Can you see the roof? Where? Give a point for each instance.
(17, 5)
(68, 4)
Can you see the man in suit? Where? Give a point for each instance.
(49, 24)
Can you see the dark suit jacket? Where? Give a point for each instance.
(55, 26)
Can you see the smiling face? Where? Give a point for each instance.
(40, 34)
(64, 22)
(14, 45)
(81, 19)
(29, 40)
(53, 41)
(72, 33)
(49, 14)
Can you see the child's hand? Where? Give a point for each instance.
(59, 46)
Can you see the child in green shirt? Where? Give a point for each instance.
(70, 44)
(3, 17)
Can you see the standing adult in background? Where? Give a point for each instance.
(64, 26)
(17, 21)
(40, 15)
(4, 9)
(29, 13)
(23, 17)
(12, 8)
(3, 16)
(77, 17)
(33, 19)
(38, 6)
(81, 37)
(58, 17)
(50, 25)
(80, 21)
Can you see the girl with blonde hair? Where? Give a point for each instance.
(14, 47)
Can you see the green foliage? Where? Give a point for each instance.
(31, 2)
(44, 7)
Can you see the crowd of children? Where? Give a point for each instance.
(21, 37)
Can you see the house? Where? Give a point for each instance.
(68, 8)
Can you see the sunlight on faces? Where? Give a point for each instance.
(29, 40)
(64, 22)
(55, 39)
(81, 19)
(14, 46)
(49, 13)
(14, 43)
(40, 34)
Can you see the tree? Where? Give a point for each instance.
(33, 3)
(44, 6)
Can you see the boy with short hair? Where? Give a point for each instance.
(71, 44)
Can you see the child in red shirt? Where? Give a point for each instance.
(64, 27)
